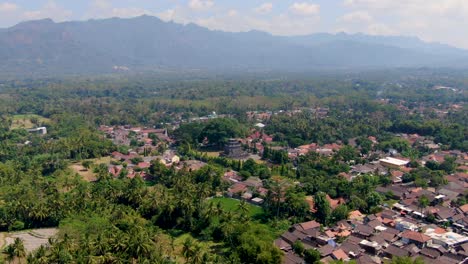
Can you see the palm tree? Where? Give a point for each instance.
(197, 254)
(243, 207)
(15, 251)
(423, 203)
(188, 249)
(10, 253)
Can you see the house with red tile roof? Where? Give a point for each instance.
(340, 255)
(419, 239)
(307, 225)
(335, 202)
(464, 209)
(237, 189)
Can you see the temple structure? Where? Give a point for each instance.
(233, 150)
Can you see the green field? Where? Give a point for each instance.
(28, 121)
(230, 204)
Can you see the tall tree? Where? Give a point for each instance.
(322, 207)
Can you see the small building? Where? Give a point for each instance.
(38, 130)
(449, 240)
(405, 225)
(419, 239)
(257, 201)
(393, 163)
(392, 251)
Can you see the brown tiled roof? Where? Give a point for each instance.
(238, 187)
(281, 244)
(396, 252)
(291, 258)
(428, 252)
(335, 202)
(448, 260)
(364, 230)
(387, 236)
(340, 255)
(445, 213)
(309, 225)
(348, 247)
(354, 239)
(326, 250)
(355, 215)
(377, 238)
(392, 231)
(464, 208)
(314, 232)
(330, 234)
(365, 259)
(374, 223)
(292, 237)
(415, 236)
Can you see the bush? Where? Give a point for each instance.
(17, 225)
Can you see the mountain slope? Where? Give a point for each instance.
(147, 43)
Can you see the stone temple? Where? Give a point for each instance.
(233, 150)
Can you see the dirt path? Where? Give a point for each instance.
(32, 239)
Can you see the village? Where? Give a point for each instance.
(422, 222)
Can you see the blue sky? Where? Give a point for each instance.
(432, 20)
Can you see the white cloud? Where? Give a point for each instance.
(282, 24)
(201, 4)
(101, 4)
(8, 7)
(358, 16)
(380, 29)
(305, 9)
(104, 9)
(167, 15)
(432, 20)
(49, 10)
(232, 13)
(264, 8)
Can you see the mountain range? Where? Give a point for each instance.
(147, 43)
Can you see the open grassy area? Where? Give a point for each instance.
(26, 121)
(211, 154)
(87, 174)
(230, 204)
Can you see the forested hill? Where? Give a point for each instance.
(147, 43)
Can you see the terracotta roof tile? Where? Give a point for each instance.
(415, 236)
(340, 255)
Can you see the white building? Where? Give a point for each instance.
(447, 239)
(393, 162)
(38, 130)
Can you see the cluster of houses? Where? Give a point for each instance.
(124, 135)
(370, 239)
(436, 232)
(251, 189)
(150, 146)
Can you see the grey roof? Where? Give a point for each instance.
(396, 252)
(348, 247)
(377, 238)
(364, 230)
(428, 252)
(365, 259)
(374, 223)
(291, 258)
(326, 250)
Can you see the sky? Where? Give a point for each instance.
(444, 21)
